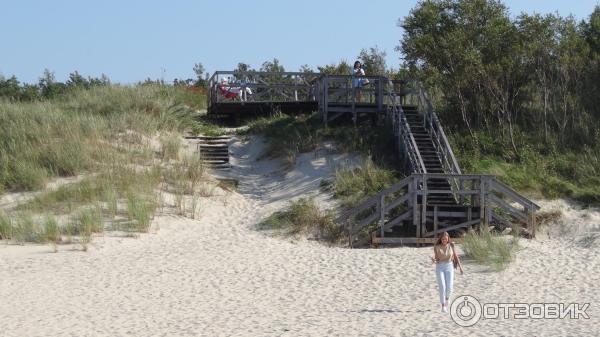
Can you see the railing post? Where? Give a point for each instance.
(379, 94)
(482, 202)
(532, 220)
(381, 214)
(354, 116)
(435, 221)
(424, 206)
(325, 98)
(415, 204)
(461, 187)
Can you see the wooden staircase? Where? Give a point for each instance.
(436, 196)
(215, 151)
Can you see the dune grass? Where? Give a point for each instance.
(104, 134)
(139, 211)
(490, 249)
(353, 185)
(303, 216)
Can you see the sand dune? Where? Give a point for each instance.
(217, 276)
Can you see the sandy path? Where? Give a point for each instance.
(218, 277)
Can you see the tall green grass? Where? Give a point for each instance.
(490, 249)
(542, 170)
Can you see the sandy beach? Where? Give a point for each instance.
(219, 276)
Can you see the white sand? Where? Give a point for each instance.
(217, 276)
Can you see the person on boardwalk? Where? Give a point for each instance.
(358, 80)
(446, 260)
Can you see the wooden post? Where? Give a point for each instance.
(379, 95)
(435, 221)
(532, 221)
(325, 98)
(461, 197)
(354, 116)
(482, 202)
(415, 204)
(381, 214)
(488, 214)
(424, 206)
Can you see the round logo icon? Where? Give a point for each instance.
(465, 310)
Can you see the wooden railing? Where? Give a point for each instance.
(440, 141)
(407, 146)
(265, 86)
(338, 90)
(485, 200)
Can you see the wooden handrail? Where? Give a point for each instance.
(491, 194)
(505, 189)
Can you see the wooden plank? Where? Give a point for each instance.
(482, 201)
(532, 223)
(435, 220)
(364, 222)
(508, 208)
(381, 213)
(460, 225)
(423, 227)
(408, 240)
(466, 192)
(503, 188)
(397, 202)
(449, 214)
(404, 216)
(415, 205)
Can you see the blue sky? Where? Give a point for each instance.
(130, 40)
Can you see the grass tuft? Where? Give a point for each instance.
(490, 249)
(304, 216)
(354, 185)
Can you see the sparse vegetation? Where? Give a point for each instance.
(139, 212)
(52, 232)
(170, 146)
(288, 136)
(304, 216)
(5, 226)
(490, 249)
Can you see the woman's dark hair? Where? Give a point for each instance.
(439, 240)
(356, 63)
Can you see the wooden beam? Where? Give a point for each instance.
(381, 214)
(435, 220)
(460, 225)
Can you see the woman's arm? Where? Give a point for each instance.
(434, 259)
(460, 267)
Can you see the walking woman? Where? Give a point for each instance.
(446, 260)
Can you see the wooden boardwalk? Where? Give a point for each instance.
(434, 197)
